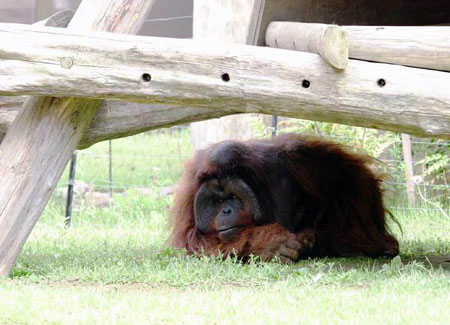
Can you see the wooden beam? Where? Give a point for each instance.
(121, 119)
(219, 20)
(194, 74)
(278, 10)
(41, 140)
(115, 119)
(330, 41)
(426, 47)
(423, 47)
(234, 21)
(43, 8)
(10, 106)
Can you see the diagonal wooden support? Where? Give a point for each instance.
(42, 138)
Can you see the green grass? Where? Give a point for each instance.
(113, 265)
(143, 160)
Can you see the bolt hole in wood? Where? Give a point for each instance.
(226, 77)
(381, 82)
(146, 77)
(306, 83)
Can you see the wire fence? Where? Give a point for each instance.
(154, 161)
(170, 18)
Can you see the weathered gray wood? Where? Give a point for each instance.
(220, 20)
(116, 119)
(41, 140)
(278, 10)
(43, 8)
(330, 41)
(120, 119)
(425, 46)
(184, 72)
(10, 106)
(233, 21)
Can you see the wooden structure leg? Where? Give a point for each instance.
(234, 21)
(220, 20)
(41, 140)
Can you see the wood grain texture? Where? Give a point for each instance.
(423, 47)
(278, 10)
(232, 21)
(115, 119)
(43, 136)
(263, 80)
(330, 41)
(426, 47)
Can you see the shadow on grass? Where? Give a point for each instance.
(117, 263)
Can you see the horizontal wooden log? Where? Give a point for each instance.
(423, 47)
(330, 41)
(9, 106)
(116, 119)
(234, 78)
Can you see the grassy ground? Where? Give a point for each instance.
(112, 266)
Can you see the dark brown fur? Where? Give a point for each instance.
(339, 209)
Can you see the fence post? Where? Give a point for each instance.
(274, 125)
(110, 169)
(409, 170)
(70, 186)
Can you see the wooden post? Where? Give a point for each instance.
(47, 130)
(43, 9)
(234, 21)
(70, 187)
(220, 20)
(415, 46)
(330, 41)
